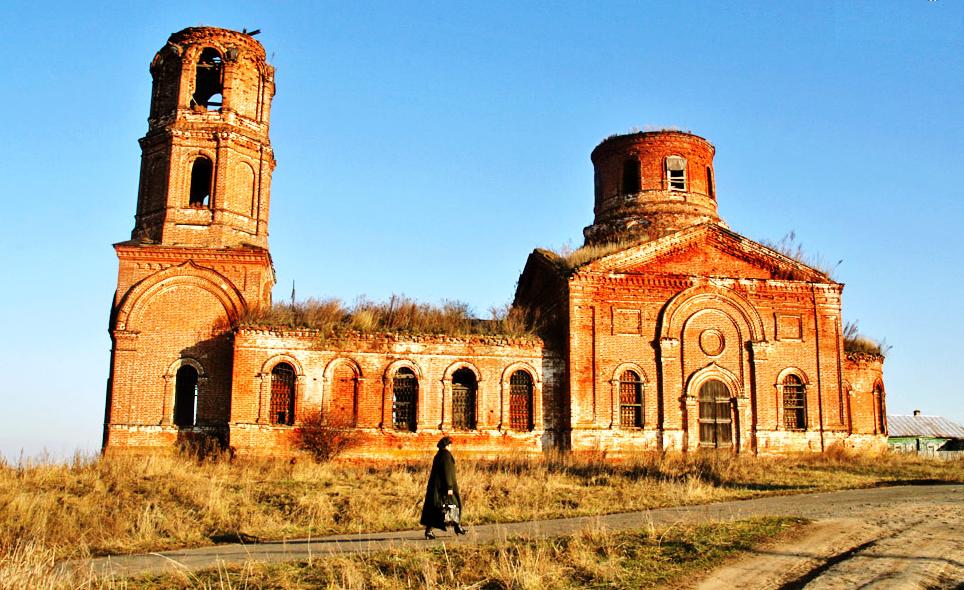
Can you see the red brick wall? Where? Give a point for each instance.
(865, 388)
(375, 358)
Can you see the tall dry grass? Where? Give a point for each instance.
(592, 558)
(123, 504)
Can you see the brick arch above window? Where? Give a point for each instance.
(782, 377)
(629, 366)
(186, 361)
(521, 366)
(339, 362)
(457, 365)
(390, 370)
(712, 372)
(275, 360)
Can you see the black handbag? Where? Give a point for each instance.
(450, 511)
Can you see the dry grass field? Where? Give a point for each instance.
(96, 506)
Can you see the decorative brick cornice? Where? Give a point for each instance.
(177, 254)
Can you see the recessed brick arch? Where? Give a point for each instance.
(185, 274)
(338, 361)
(689, 301)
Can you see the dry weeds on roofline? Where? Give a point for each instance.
(399, 315)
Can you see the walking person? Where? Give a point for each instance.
(442, 490)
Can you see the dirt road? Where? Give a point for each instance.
(914, 543)
(891, 537)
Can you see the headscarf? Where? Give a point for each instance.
(444, 442)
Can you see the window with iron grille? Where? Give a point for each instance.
(630, 400)
(631, 176)
(283, 394)
(404, 399)
(520, 401)
(185, 396)
(715, 415)
(794, 403)
(464, 390)
(676, 173)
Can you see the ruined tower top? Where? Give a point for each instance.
(651, 183)
(206, 158)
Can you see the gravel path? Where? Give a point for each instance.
(890, 537)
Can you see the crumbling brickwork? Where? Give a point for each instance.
(677, 334)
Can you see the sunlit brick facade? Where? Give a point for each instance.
(685, 336)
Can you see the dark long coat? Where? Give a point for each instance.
(440, 481)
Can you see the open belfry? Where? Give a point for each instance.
(667, 331)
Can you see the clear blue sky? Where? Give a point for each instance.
(426, 148)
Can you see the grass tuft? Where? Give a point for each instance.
(569, 260)
(855, 342)
(792, 248)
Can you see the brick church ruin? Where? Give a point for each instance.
(668, 331)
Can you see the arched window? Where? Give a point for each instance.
(185, 396)
(520, 401)
(202, 174)
(630, 400)
(464, 389)
(676, 173)
(716, 421)
(344, 395)
(710, 189)
(794, 403)
(880, 408)
(283, 394)
(208, 80)
(405, 399)
(631, 176)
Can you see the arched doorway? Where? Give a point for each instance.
(716, 416)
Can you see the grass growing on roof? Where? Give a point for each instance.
(399, 315)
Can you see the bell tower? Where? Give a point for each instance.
(198, 257)
(206, 160)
